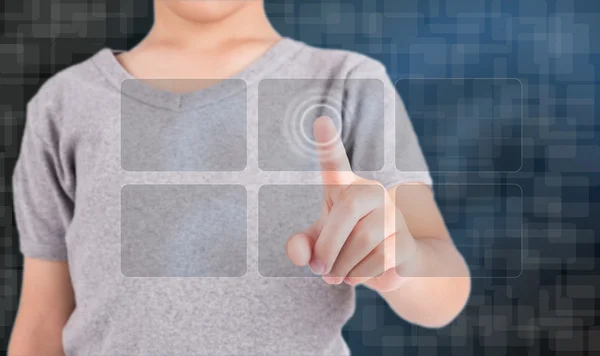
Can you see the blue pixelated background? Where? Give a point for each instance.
(536, 297)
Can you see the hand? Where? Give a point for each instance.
(360, 236)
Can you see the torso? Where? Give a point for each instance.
(126, 304)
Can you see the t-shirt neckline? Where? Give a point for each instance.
(106, 61)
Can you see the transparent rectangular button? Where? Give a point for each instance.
(289, 210)
(287, 109)
(485, 222)
(183, 230)
(464, 125)
(194, 131)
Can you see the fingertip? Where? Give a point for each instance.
(332, 279)
(349, 281)
(324, 129)
(322, 121)
(354, 281)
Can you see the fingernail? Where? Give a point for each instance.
(332, 279)
(349, 281)
(317, 267)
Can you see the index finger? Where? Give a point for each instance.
(333, 160)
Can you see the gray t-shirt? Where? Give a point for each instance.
(173, 209)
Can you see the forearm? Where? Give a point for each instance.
(436, 287)
(47, 302)
(35, 338)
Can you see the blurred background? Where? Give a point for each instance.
(503, 96)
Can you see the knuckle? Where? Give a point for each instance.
(350, 206)
(364, 240)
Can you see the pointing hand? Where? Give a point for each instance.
(360, 236)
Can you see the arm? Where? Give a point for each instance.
(395, 242)
(43, 191)
(437, 283)
(46, 303)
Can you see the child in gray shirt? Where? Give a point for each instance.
(156, 208)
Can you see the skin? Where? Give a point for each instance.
(47, 301)
(394, 242)
(207, 40)
(424, 280)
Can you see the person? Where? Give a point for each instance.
(133, 246)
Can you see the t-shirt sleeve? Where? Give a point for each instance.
(377, 132)
(43, 206)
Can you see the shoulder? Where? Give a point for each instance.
(69, 88)
(338, 63)
(71, 81)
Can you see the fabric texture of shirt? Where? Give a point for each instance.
(173, 210)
